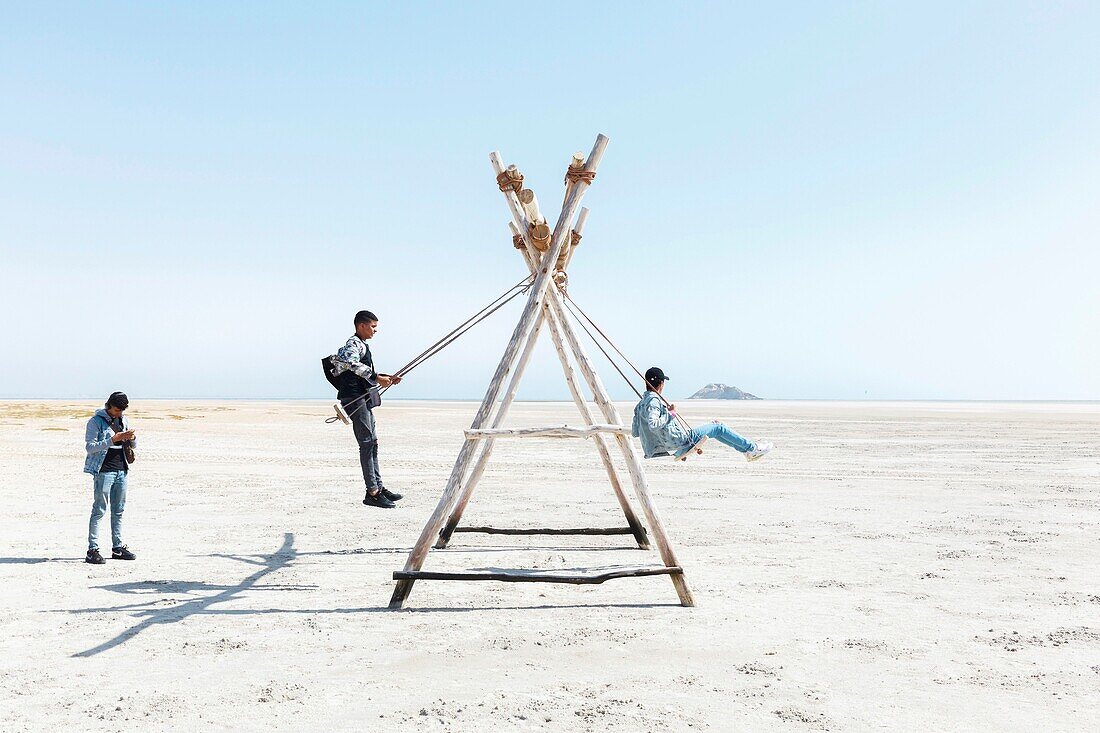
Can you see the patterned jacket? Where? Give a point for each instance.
(353, 368)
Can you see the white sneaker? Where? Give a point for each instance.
(759, 450)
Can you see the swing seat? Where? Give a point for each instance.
(697, 448)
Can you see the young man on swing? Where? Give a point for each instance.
(357, 388)
(663, 433)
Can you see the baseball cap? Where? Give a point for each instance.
(655, 376)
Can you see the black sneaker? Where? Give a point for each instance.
(392, 495)
(122, 553)
(93, 557)
(378, 500)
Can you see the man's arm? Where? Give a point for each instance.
(349, 355)
(94, 446)
(656, 415)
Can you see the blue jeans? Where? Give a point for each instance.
(719, 432)
(111, 487)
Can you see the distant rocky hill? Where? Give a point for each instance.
(722, 392)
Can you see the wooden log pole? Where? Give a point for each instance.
(514, 205)
(539, 229)
(553, 431)
(591, 577)
(629, 450)
(578, 230)
(531, 311)
(530, 204)
(582, 219)
(531, 257)
(576, 163)
(551, 531)
(463, 497)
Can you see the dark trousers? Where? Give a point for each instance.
(362, 422)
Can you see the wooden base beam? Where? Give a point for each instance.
(548, 531)
(534, 576)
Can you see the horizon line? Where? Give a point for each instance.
(569, 401)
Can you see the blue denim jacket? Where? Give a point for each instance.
(661, 433)
(97, 439)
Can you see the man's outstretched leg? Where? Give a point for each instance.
(718, 431)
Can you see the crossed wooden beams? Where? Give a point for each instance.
(547, 254)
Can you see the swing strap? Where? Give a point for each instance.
(499, 302)
(575, 310)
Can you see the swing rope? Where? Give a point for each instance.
(573, 308)
(519, 288)
(499, 302)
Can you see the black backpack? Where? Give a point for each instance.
(373, 396)
(327, 366)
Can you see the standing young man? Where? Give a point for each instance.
(355, 376)
(662, 434)
(107, 438)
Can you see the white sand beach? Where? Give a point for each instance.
(899, 566)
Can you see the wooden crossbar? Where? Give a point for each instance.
(549, 531)
(528, 576)
(556, 431)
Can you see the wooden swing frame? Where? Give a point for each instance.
(546, 255)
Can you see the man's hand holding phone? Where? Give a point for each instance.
(123, 436)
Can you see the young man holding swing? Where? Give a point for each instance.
(664, 433)
(357, 386)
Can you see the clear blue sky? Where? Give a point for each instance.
(812, 200)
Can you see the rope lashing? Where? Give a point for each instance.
(571, 304)
(510, 179)
(576, 175)
(574, 240)
(540, 236)
(565, 254)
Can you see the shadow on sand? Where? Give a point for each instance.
(210, 595)
(207, 595)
